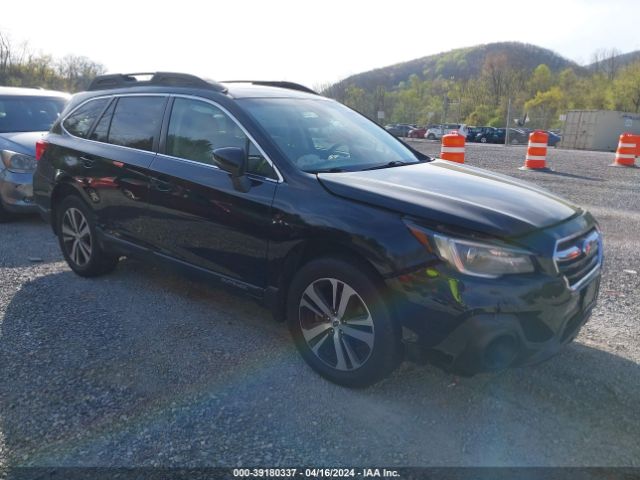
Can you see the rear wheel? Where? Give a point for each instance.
(78, 240)
(431, 136)
(340, 324)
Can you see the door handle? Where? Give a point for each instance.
(160, 185)
(86, 162)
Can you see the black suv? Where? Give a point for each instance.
(366, 247)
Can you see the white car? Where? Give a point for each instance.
(436, 133)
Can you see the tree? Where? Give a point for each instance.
(544, 106)
(356, 98)
(77, 72)
(20, 66)
(495, 73)
(6, 55)
(541, 79)
(626, 89)
(606, 62)
(482, 115)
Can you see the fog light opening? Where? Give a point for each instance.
(500, 352)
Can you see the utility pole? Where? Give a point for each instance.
(506, 133)
(445, 108)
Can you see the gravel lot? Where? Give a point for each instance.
(144, 368)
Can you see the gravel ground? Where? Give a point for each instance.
(145, 368)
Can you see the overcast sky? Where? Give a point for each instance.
(308, 42)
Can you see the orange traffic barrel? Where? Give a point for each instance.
(628, 150)
(536, 158)
(453, 147)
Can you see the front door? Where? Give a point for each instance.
(196, 215)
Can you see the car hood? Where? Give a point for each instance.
(21, 142)
(455, 195)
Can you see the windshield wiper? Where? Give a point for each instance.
(393, 163)
(330, 170)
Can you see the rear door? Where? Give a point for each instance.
(197, 215)
(116, 160)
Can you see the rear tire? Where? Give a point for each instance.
(340, 324)
(78, 240)
(431, 136)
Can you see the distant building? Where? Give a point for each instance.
(597, 129)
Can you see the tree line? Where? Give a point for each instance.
(537, 97)
(20, 66)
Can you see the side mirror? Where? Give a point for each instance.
(233, 160)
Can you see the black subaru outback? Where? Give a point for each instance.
(367, 248)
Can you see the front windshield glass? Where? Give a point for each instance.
(318, 135)
(29, 114)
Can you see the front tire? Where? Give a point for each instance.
(340, 324)
(78, 239)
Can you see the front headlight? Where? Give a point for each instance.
(475, 258)
(18, 162)
(482, 260)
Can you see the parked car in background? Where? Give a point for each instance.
(399, 129)
(518, 136)
(472, 132)
(25, 115)
(554, 139)
(437, 131)
(476, 132)
(491, 135)
(419, 132)
(271, 189)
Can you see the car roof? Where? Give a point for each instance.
(171, 82)
(250, 90)
(31, 92)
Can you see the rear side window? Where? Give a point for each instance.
(80, 121)
(136, 122)
(101, 132)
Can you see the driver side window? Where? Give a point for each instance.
(197, 128)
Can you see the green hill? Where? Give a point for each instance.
(461, 63)
(613, 60)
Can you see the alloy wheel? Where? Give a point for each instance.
(76, 236)
(336, 324)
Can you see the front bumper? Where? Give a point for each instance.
(16, 192)
(469, 325)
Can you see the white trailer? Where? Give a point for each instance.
(597, 129)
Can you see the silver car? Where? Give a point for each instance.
(25, 115)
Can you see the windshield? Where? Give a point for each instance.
(318, 135)
(29, 114)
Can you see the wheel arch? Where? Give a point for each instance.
(307, 251)
(63, 188)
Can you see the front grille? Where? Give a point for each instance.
(577, 257)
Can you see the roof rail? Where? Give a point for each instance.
(276, 83)
(165, 79)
